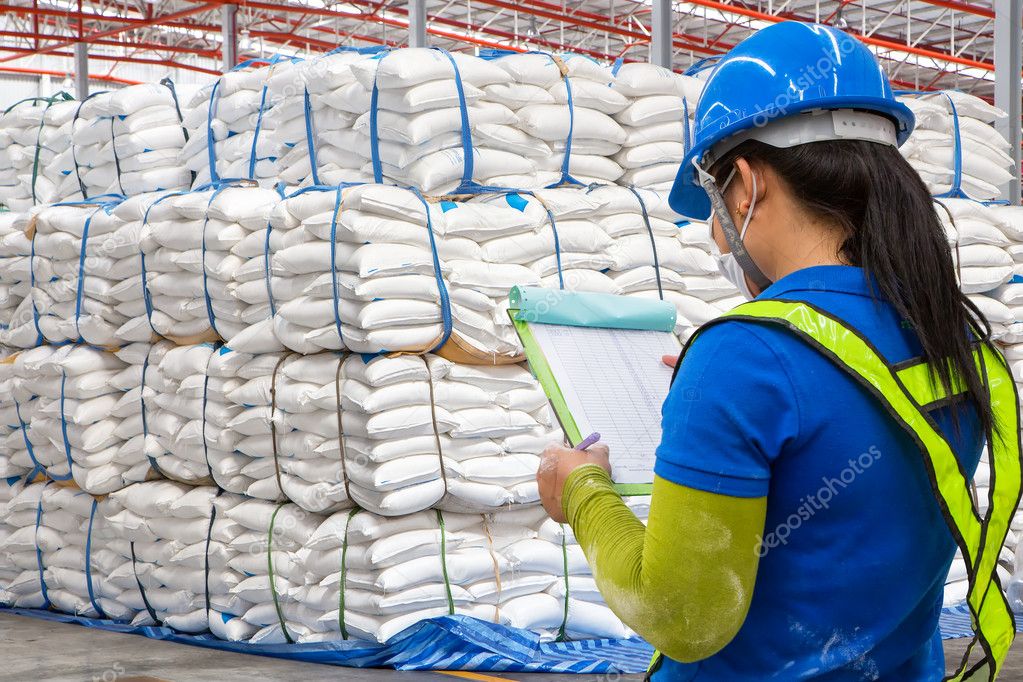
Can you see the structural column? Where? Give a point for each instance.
(229, 34)
(660, 33)
(1008, 93)
(417, 23)
(81, 70)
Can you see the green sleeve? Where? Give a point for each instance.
(684, 581)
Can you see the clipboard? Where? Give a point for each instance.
(598, 359)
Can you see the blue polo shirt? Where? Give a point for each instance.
(855, 553)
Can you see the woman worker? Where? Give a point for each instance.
(811, 485)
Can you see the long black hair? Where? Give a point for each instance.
(892, 231)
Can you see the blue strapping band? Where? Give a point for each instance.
(39, 552)
(32, 283)
(210, 142)
(205, 276)
(617, 66)
(37, 467)
(445, 301)
(333, 263)
(956, 192)
(81, 273)
(566, 177)
(147, 297)
(703, 65)
(113, 149)
(255, 134)
(310, 138)
(466, 129)
(687, 142)
(267, 261)
(557, 247)
(88, 563)
(205, 400)
(63, 433)
(374, 140)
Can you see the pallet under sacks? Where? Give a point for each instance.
(193, 558)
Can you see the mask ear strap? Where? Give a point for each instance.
(732, 236)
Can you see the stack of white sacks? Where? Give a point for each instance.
(34, 134)
(246, 120)
(419, 120)
(418, 432)
(18, 404)
(524, 113)
(564, 103)
(10, 486)
(1010, 221)
(173, 399)
(656, 257)
(71, 429)
(126, 142)
(54, 549)
(389, 573)
(549, 238)
(661, 105)
(175, 541)
(80, 253)
(982, 152)
(336, 99)
(383, 271)
(19, 552)
(15, 279)
(189, 242)
(981, 244)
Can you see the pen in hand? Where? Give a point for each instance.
(588, 441)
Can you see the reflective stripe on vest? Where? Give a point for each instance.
(903, 393)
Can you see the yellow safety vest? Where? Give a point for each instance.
(905, 392)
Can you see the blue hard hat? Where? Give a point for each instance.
(783, 70)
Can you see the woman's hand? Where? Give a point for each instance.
(556, 463)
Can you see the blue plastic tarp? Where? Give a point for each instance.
(451, 643)
(447, 643)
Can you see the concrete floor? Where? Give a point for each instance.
(34, 649)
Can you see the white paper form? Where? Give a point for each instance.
(613, 382)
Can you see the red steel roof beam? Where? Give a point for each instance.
(169, 63)
(869, 40)
(93, 17)
(154, 47)
(65, 74)
(121, 29)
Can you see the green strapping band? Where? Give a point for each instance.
(564, 560)
(444, 562)
(63, 97)
(344, 571)
(270, 570)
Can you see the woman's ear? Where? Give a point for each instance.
(745, 176)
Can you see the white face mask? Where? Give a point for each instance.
(727, 265)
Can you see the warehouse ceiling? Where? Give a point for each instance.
(924, 45)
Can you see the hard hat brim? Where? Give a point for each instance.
(687, 197)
